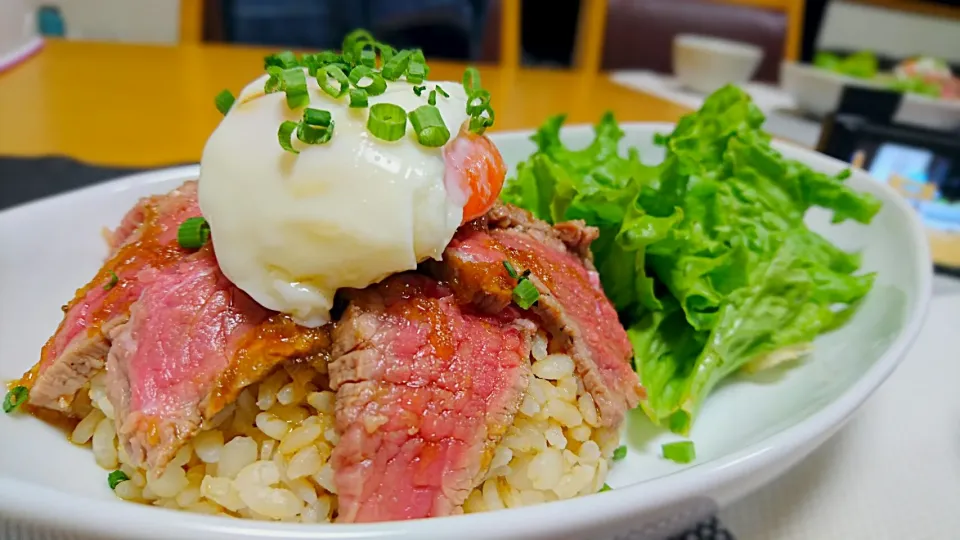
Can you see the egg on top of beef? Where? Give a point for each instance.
(324, 176)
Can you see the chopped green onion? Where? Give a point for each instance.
(680, 451)
(606, 487)
(358, 98)
(15, 398)
(294, 83)
(386, 52)
(316, 61)
(114, 279)
(429, 126)
(285, 60)
(441, 91)
(193, 233)
(471, 80)
(368, 57)
(316, 126)
(329, 71)
(480, 123)
(114, 478)
(358, 37)
(432, 98)
(387, 121)
(416, 73)
(224, 101)
(375, 87)
(418, 90)
(479, 108)
(284, 133)
(620, 453)
(511, 271)
(417, 68)
(525, 294)
(273, 83)
(396, 66)
(478, 102)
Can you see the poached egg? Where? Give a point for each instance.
(291, 229)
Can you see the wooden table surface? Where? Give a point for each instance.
(145, 105)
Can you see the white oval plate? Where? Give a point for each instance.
(750, 429)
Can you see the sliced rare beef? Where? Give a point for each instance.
(425, 390)
(192, 343)
(146, 239)
(571, 305)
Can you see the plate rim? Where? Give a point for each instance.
(49, 507)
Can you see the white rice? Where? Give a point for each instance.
(267, 456)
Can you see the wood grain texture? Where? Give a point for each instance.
(159, 109)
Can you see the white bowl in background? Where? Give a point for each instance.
(750, 430)
(817, 91)
(705, 63)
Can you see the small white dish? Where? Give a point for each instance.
(818, 91)
(750, 430)
(705, 63)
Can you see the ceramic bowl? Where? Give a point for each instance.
(751, 428)
(705, 63)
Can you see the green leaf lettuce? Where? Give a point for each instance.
(705, 256)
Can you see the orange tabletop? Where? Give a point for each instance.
(146, 105)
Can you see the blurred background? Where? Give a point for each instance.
(637, 35)
(638, 32)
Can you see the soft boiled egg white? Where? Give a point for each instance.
(291, 229)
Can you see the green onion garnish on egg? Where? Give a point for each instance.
(429, 126)
(224, 101)
(386, 52)
(620, 453)
(316, 61)
(115, 477)
(418, 90)
(680, 451)
(416, 73)
(316, 126)
(387, 121)
(284, 60)
(368, 57)
(606, 487)
(480, 122)
(284, 134)
(471, 80)
(478, 102)
(114, 279)
(432, 98)
(353, 44)
(376, 84)
(525, 294)
(417, 69)
(441, 91)
(294, 83)
(396, 66)
(358, 98)
(16, 397)
(334, 72)
(193, 233)
(273, 83)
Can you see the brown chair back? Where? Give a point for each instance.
(639, 33)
